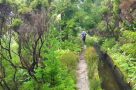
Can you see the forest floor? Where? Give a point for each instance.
(82, 73)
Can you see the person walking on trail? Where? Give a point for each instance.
(83, 36)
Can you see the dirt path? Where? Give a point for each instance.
(82, 73)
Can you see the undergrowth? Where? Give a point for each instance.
(92, 61)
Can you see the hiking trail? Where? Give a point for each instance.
(82, 73)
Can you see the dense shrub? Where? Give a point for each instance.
(54, 76)
(129, 49)
(71, 45)
(108, 43)
(70, 59)
(16, 23)
(129, 36)
(90, 40)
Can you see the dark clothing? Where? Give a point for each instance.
(83, 36)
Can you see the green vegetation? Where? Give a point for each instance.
(92, 61)
(40, 41)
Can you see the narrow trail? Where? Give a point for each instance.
(82, 73)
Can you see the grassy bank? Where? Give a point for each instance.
(92, 61)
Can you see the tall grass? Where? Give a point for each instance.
(92, 61)
(69, 59)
